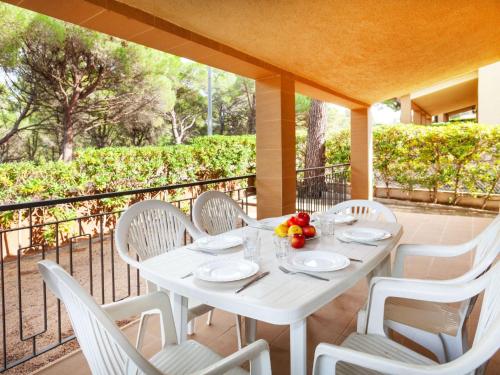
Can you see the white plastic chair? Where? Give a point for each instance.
(151, 228)
(439, 327)
(214, 212)
(374, 353)
(364, 210)
(108, 351)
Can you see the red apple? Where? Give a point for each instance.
(298, 241)
(303, 219)
(292, 221)
(309, 231)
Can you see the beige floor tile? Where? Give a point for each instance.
(334, 322)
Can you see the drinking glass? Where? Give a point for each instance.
(281, 247)
(251, 244)
(327, 225)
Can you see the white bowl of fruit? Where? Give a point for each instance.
(298, 228)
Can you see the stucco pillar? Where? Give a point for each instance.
(443, 117)
(417, 117)
(361, 154)
(275, 124)
(489, 94)
(405, 116)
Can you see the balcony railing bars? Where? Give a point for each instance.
(77, 232)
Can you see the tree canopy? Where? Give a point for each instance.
(64, 87)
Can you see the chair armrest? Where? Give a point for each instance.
(326, 357)
(249, 220)
(157, 302)
(405, 250)
(382, 288)
(257, 353)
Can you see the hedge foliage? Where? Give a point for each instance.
(457, 157)
(116, 169)
(453, 156)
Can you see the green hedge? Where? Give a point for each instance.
(116, 169)
(452, 156)
(457, 157)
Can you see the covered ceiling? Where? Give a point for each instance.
(368, 49)
(448, 96)
(353, 53)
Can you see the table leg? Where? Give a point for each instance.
(250, 330)
(180, 311)
(384, 267)
(298, 347)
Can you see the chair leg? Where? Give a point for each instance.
(238, 331)
(453, 345)
(190, 327)
(142, 330)
(210, 316)
(429, 340)
(361, 322)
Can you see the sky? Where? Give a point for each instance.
(384, 115)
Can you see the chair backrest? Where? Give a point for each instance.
(105, 347)
(151, 228)
(486, 340)
(364, 210)
(486, 249)
(214, 212)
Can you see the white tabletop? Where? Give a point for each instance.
(278, 298)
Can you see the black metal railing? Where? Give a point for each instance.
(321, 188)
(77, 232)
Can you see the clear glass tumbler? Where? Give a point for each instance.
(327, 225)
(282, 247)
(251, 244)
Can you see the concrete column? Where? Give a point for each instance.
(417, 117)
(361, 155)
(275, 117)
(443, 117)
(405, 117)
(489, 94)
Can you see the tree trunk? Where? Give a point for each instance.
(251, 116)
(315, 147)
(68, 137)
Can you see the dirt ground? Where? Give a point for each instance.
(31, 300)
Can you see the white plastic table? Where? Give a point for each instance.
(279, 298)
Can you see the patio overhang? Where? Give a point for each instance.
(349, 53)
(449, 96)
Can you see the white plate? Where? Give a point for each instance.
(339, 218)
(272, 222)
(343, 219)
(318, 261)
(214, 243)
(225, 270)
(365, 234)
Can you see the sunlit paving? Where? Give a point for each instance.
(249, 187)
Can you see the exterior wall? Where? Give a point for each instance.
(443, 197)
(489, 94)
(443, 117)
(405, 109)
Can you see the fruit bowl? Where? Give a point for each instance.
(298, 228)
